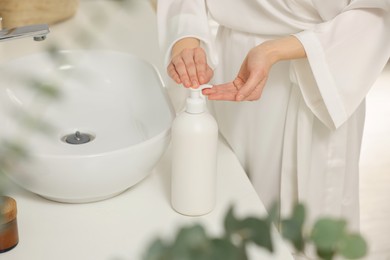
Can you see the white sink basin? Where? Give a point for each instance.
(116, 98)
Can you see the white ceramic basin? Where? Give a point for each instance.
(116, 98)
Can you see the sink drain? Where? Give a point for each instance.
(78, 138)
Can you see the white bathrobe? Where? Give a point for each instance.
(301, 140)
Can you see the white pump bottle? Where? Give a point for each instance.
(194, 158)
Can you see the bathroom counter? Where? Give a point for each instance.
(123, 226)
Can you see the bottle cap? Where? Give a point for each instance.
(196, 102)
(7, 209)
(9, 237)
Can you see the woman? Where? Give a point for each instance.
(307, 66)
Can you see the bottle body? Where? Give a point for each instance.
(194, 163)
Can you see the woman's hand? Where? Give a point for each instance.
(253, 74)
(250, 81)
(189, 64)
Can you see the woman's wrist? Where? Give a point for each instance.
(185, 43)
(287, 48)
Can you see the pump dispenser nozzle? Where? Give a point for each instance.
(195, 92)
(195, 101)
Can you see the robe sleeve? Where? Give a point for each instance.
(345, 55)
(178, 19)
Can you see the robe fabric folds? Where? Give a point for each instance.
(301, 140)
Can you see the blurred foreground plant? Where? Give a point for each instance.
(21, 120)
(329, 236)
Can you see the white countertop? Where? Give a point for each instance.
(123, 226)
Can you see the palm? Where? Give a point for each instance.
(248, 84)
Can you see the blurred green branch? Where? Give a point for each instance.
(329, 237)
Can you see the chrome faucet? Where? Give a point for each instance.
(37, 31)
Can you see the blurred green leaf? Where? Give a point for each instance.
(274, 214)
(353, 246)
(292, 228)
(257, 231)
(193, 236)
(11, 150)
(54, 51)
(299, 213)
(31, 122)
(224, 249)
(125, 3)
(325, 254)
(156, 251)
(248, 230)
(191, 243)
(327, 233)
(46, 89)
(121, 2)
(231, 223)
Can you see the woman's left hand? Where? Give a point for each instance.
(250, 81)
(253, 74)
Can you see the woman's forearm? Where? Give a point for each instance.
(287, 48)
(253, 74)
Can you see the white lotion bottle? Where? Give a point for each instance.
(194, 158)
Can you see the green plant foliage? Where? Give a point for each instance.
(51, 91)
(257, 231)
(327, 233)
(249, 229)
(10, 152)
(353, 246)
(274, 214)
(329, 236)
(157, 251)
(231, 223)
(33, 123)
(223, 248)
(12, 149)
(191, 242)
(292, 228)
(325, 254)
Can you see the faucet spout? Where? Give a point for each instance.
(37, 31)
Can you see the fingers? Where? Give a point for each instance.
(230, 91)
(201, 65)
(180, 68)
(188, 58)
(256, 93)
(223, 96)
(250, 86)
(209, 74)
(190, 68)
(173, 73)
(227, 91)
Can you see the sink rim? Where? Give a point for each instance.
(161, 135)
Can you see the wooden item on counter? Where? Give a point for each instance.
(17, 13)
(9, 237)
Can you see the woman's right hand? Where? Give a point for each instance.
(188, 65)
